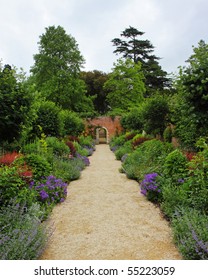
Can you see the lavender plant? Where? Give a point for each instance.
(190, 229)
(22, 235)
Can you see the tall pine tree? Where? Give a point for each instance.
(142, 51)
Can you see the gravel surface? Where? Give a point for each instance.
(106, 218)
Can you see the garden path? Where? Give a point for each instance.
(106, 218)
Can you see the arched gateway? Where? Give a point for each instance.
(103, 128)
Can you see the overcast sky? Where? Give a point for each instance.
(172, 26)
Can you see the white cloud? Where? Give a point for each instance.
(172, 27)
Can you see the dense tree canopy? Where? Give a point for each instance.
(190, 103)
(57, 68)
(130, 46)
(125, 85)
(14, 105)
(95, 81)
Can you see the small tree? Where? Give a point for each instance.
(125, 85)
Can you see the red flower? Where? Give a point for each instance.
(9, 158)
(189, 155)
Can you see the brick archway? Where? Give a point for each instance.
(111, 126)
(100, 138)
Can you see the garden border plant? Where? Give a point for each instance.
(176, 181)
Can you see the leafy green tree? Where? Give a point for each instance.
(47, 120)
(142, 50)
(57, 68)
(125, 85)
(15, 104)
(71, 124)
(133, 120)
(190, 103)
(95, 81)
(155, 115)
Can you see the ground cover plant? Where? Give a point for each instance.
(22, 235)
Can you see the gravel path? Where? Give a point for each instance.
(106, 218)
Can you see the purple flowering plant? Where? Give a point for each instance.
(84, 159)
(150, 187)
(51, 190)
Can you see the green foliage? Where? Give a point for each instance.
(80, 150)
(173, 196)
(191, 234)
(175, 165)
(15, 104)
(56, 70)
(154, 115)
(132, 47)
(133, 119)
(40, 166)
(86, 141)
(117, 141)
(168, 134)
(47, 121)
(125, 149)
(147, 158)
(67, 170)
(71, 124)
(125, 85)
(22, 235)
(59, 148)
(10, 183)
(94, 81)
(189, 111)
(198, 181)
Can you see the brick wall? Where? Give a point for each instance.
(112, 125)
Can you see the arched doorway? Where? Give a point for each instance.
(102, 136)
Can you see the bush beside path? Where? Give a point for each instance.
(105, 217)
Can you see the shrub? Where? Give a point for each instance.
(147, 158)
(173, 196)
(121, 151)
(168, 134)
(175, 165)
(39, 165)
(117, 141)
(154, 115)
(84, 159)
(50, 190)
(130, 135)
(22, 235)
(71, 123)
(150, 187)
(9, 158)
(71, 148)
(10, 183)
(58, 147)
(80, 150)
(133, 120)
(67, 170)
(85, 141)
(138, 140)
(190, 229)
(48, 119)
(198, 182)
